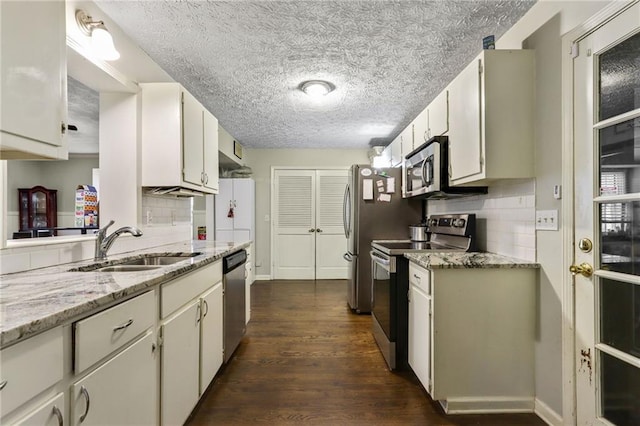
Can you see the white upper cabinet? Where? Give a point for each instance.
(401, 146)
(396, 152)
(438, 115)
(406, 142)
(420, 130)
(33, 70)
(179, 139)
(491, 118)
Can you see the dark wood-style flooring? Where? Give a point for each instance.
(306, 359)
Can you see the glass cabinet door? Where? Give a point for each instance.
(38, 208)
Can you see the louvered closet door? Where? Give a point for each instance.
(330, 239)
(294, 224)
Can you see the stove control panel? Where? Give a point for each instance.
(452, 224)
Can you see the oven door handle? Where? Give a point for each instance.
(377, 257)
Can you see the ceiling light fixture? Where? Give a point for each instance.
(316, 88)
(101, 39)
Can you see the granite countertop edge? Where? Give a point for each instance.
(38, 300)
(469, 260)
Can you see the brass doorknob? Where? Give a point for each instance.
(584, 268)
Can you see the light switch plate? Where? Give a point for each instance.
(547, 220)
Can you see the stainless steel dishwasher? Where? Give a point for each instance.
(234, 301)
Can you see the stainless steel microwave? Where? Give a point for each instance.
(426, 172)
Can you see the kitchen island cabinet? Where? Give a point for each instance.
(33, 74)
(491, 118)
(471, 332)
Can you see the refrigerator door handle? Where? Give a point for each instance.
(346, 218)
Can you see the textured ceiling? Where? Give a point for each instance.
(245, 59)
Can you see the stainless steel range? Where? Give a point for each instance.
(390, 279)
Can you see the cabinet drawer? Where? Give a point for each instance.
(103, 333)
(51, 413)
(420, 278)
(28, 368)
(180, 291)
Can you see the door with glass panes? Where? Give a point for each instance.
(606, 264)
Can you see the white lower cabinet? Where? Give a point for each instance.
(192, 340)
(29, 368)
(471, 350)
(420, 333)
(122, 391)
(180, 364)
(211, 345)
(51, 413)
(144, 361)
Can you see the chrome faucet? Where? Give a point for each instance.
(104, 243)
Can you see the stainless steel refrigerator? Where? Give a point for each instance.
(373, 210)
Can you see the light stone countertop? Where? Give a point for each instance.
(40, 299)
(468, 260)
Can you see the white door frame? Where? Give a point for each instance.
(272, 204)
(568, 301)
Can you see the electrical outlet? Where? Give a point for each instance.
(547, 220)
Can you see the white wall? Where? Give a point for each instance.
(542, 29)
(262, 160)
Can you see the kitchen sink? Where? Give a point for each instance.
(126, 268)
(145, 262)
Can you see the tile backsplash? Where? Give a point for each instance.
(505, 217)
(165, 210)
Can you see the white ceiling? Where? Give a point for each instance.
(245, 59)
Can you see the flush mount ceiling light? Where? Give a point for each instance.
(101, 40)
(316, 88)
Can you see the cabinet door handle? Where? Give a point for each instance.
(58, 414)
(198, 314)
(123, 326)
(312, 230)
(85, 393)
(3, 384)
(206, 305)
(206, 178)
(318, 230)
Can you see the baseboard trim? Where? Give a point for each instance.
(470, 405)
(549, 416)
(263, 277)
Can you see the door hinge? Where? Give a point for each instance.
(575, 50)
(160, 339)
